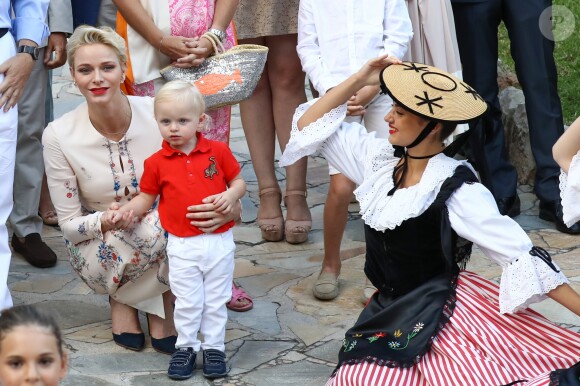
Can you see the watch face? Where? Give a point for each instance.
(33, 51)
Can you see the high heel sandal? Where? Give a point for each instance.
(272, 228)
(296, 230)
(162, 345)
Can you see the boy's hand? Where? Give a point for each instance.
(356, 105)
(224, 202)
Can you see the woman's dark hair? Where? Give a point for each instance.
(446, 130)
(29, 315)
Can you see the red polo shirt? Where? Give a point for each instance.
(185, 179)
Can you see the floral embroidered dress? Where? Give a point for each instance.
(432, 323)
(191, 18)
(86, 172)
(570, 191)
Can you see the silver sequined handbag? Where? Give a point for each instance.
(226, 78)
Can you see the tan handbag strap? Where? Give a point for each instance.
(215, 43)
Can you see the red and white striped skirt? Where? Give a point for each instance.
(479, 346)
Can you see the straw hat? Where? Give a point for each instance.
(432, 93)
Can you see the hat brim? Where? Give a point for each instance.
(432, 93)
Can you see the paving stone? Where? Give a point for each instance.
(73, 313)
(18, 264)
(303, 373)
(294, 356)
(76, 380)
(235, 333)
(245, 268)
(163, 380)
(116, 363)
(41, 286)
(96, 334)
(254, 353)
(249, 214)
(327, 352)
(556, 312)
(261, 285)
(307, 328)
(248, 234)
(267, 322)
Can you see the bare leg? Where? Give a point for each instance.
(124, 318)
(258, 123)
(287, 87)
(45, 207)
(335, 218)
(161, 328)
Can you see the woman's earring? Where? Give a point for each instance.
(74, 83)
(123, 79)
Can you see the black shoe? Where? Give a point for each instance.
(182, 363)
(509, 206)
(164, 345)
(214, 364)
(34, 250)
(131, 341)
(552, 211)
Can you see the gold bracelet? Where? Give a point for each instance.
(161, 43)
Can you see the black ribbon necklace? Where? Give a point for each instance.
(401, 152)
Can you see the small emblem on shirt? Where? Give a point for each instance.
(211, 169)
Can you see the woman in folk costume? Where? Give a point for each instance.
(159, 33)
(431, 322)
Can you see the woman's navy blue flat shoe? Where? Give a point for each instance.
(131, 341)
(164, 345)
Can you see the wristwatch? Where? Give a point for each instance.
(219, 33)
(33, 51)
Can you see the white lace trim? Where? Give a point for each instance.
(570, 192)
(525, 281)
(381, 211)
(308, 140)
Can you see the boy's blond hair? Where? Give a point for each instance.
(181, 91)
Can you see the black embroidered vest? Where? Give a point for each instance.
(414, 267)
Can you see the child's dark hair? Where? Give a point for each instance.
(29, 315)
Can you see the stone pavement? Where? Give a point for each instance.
(289, 338)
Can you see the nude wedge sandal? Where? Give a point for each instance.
(296, 230)
(272, 228)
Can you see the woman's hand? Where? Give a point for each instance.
(199, 50)
(176, 47)
(369, 72)
(113, 219)
(207, 219)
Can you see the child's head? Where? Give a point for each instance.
(31, 348)
(179, 112)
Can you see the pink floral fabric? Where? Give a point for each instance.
(191, 18)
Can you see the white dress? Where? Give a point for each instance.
(86, 172)
(570, 191)
(492, 337)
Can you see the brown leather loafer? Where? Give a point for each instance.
(34, 250)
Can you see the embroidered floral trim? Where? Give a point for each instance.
(445, 316)
(72, 190)
(123, 150)
(395, 345)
